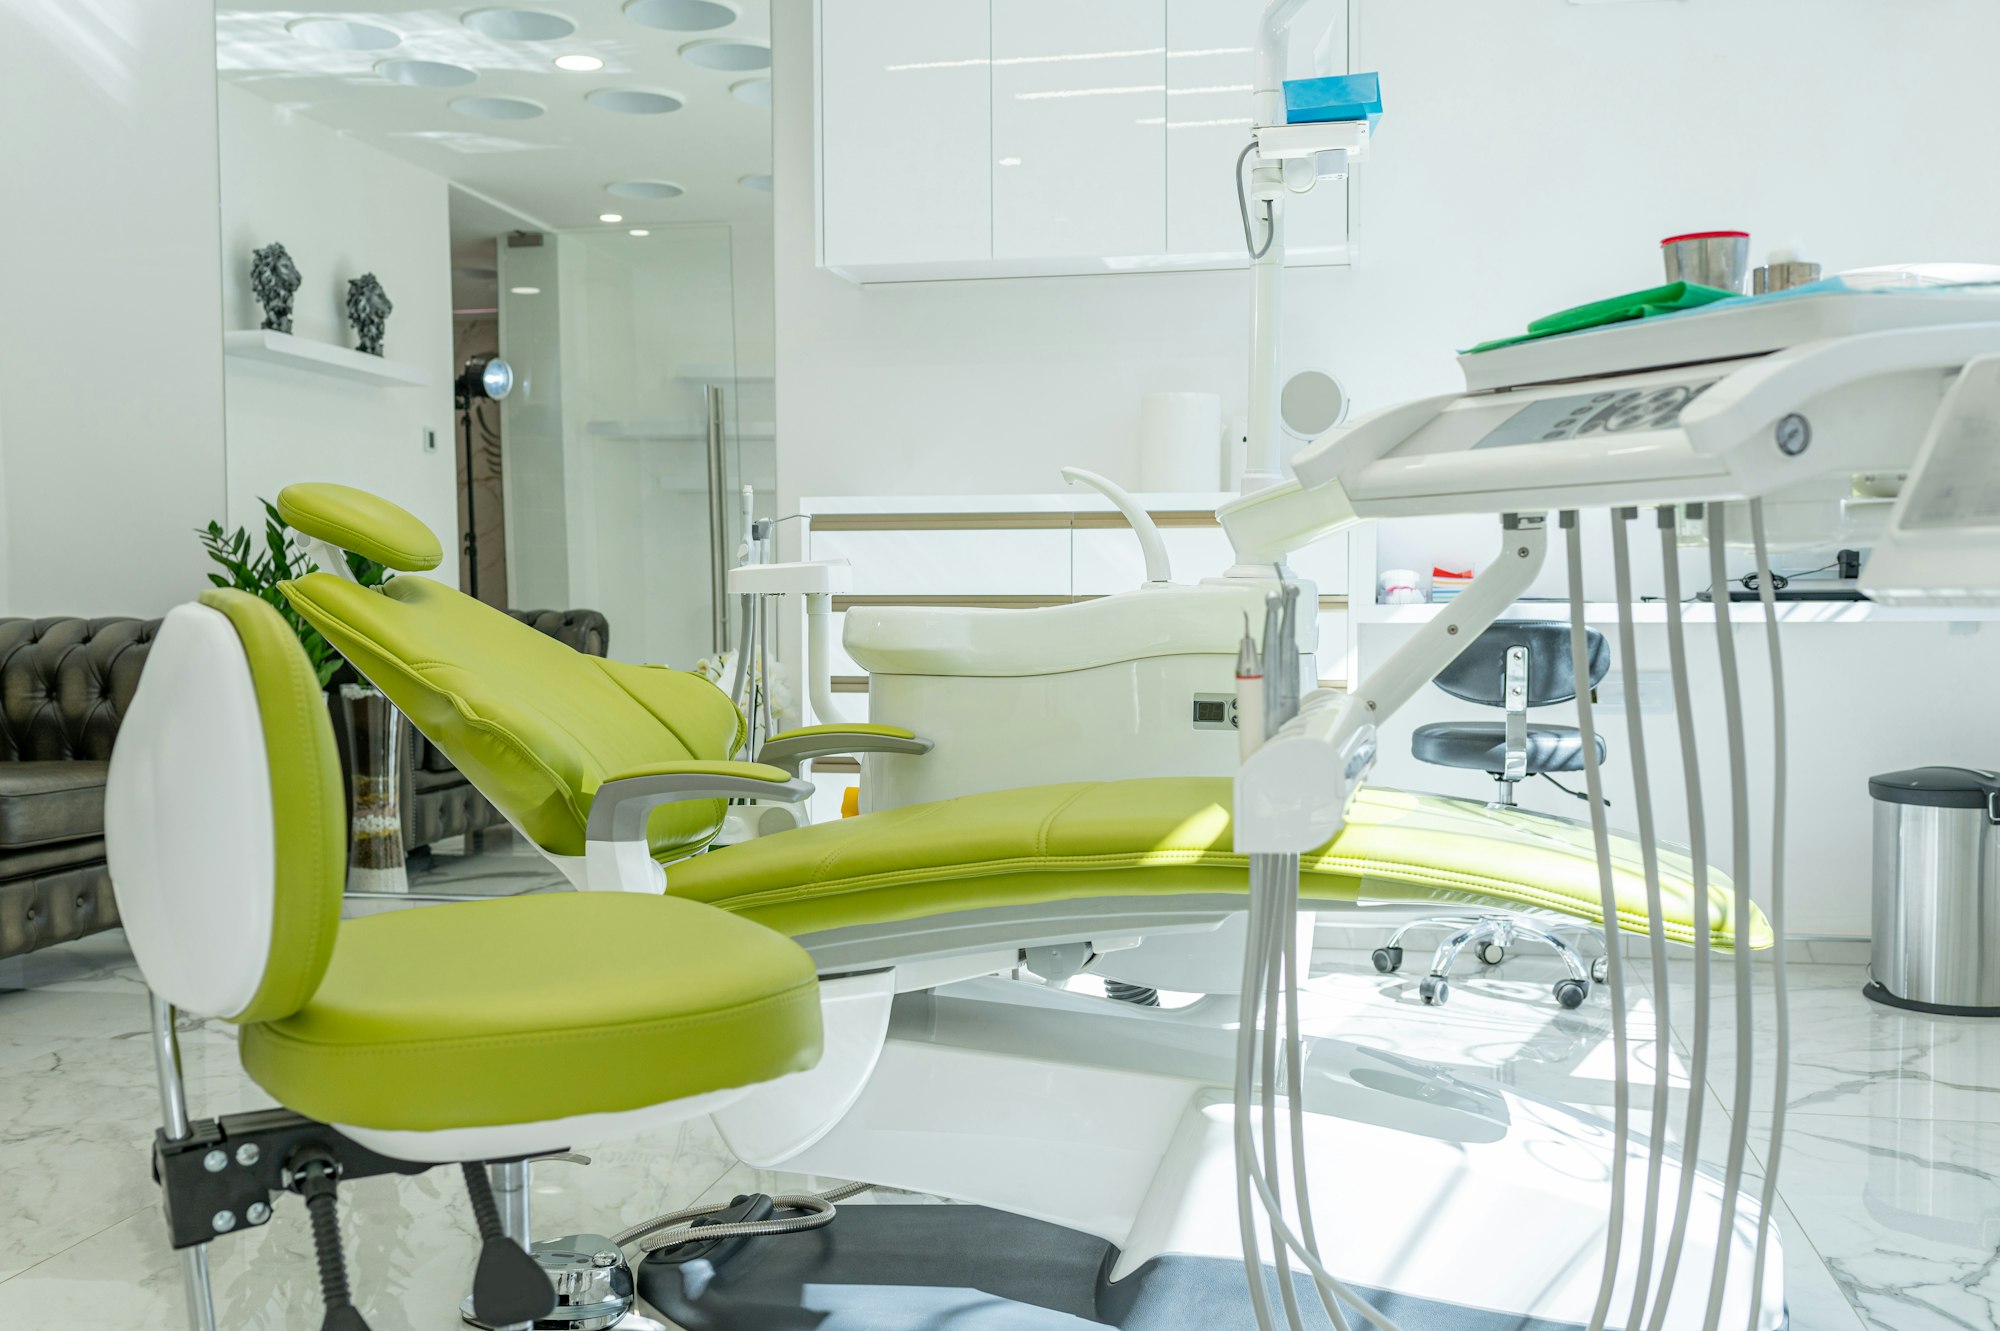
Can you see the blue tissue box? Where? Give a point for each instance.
(1338, 97)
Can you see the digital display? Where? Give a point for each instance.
(1613, 411)
(1211, 712)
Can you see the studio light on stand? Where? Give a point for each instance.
(485, 378)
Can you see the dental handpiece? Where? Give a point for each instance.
(1274, 656)
(1249, 694)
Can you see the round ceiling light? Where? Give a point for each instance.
(519, 25)
(339, 34)
(756, 92)
(762, 184)
(681, 15)
(496, 108)
(580, 64)
(425, 73)
(727, 53)
(633, 101)
(638, 231)
(610, 217)
(645, 189)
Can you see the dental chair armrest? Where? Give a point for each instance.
(617, 856)
(791, 749)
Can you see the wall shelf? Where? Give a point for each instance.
(323, 358)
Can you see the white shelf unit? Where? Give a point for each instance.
(302, 353)
(972, 145)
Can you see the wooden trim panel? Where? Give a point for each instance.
(825, 522)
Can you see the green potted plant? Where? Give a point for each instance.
(259, 568)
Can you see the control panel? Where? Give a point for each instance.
(1215, 711)
(1613, 411)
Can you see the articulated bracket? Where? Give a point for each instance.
(222, 1176)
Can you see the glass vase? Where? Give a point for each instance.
(375, 832)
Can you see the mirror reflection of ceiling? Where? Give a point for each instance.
(543, 108)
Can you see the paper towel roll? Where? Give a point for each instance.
(1180, 442)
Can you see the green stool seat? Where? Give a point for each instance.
(1167, 836)
(527, 1009)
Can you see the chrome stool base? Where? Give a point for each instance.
(1490, 936)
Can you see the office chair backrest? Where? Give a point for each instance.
(1478, 674)
(223, 811)
(536, 726)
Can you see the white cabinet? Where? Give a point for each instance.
(1016, 138)
(905, 104)
(1079, 137)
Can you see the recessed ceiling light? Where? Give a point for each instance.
(611, 217)
(582, 64)
(425, 73)
(633, 101)
(497, 108)
(727, 53)
(681, 15)
(645, 189)
(524, 291)
(760, 183)
(339, 34)
(638, 231)
(757, 92)
(519, 25)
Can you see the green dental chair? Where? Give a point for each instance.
(406, 1040)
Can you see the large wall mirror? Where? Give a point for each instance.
(578, 191)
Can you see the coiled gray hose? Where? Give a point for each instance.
(1781, 1054)
(1740, 913)
(1614, 975)
(1656, 937)
(818, 1206)
(1703, 939)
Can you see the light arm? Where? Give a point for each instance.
(794, 748)
(616, 854)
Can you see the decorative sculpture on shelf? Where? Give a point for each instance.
(274, 278)
(368, 309)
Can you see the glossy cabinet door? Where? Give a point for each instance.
(1210, 68)
(905, 108)
(1079, 129)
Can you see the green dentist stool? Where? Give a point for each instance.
(482, 1034)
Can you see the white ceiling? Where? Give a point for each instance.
(551, 169)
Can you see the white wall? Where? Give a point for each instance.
(341, 209)
(1534, 153)
(111, 416)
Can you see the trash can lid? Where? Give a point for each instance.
(1937, 787)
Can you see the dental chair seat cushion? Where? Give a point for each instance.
(1481, 746)
(1171, 836)
(527, 1009)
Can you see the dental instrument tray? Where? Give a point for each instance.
(1338, 97)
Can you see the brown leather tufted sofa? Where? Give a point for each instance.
(64, 687)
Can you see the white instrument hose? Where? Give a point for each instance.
(1649, 855)
(1296, 1099)
(1739, 916)
(1782, 1037)
(1614, 975)
(1703, 940)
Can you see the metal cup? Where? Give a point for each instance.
(1782, 277)
(1718, 259)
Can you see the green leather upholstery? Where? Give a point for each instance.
(525, 1009)
(536, 726)
(367, 524)
(1172, 836)
(845, 728)
(306, 803)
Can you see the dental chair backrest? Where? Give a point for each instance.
(536, 726)
(222, 816)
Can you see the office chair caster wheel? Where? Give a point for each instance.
(1388, 960)
(1600, 969)
(1434, 990)
(1571, 993)
(1492, 953)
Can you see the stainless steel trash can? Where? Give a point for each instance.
(1937, 891)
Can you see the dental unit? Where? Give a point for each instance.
(884, 998)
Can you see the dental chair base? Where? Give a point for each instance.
(593, 1283)
(1489, 937)
(1478, 1204)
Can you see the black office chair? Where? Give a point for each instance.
(1514, 666)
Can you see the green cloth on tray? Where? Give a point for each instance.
(1669, 299)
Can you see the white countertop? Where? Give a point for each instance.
(1700, 612)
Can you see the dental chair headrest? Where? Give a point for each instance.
(368, 525)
